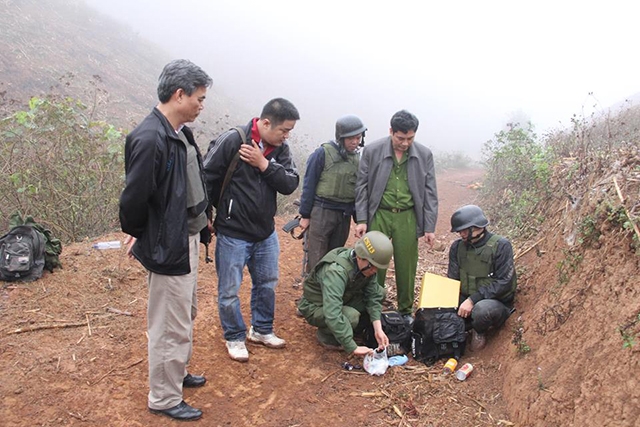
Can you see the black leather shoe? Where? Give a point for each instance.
(181, 411)
(193, 381)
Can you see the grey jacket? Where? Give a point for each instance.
(375, 167)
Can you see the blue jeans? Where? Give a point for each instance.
(261, 258)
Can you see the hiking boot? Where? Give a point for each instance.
(269, 340)
(327, 342)
(478, 341)
(238, 351)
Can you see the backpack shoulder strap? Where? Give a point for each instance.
(234, 162)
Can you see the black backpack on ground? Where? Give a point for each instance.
(22, 254)
(438, 333)
(52, 245)
(398, 331)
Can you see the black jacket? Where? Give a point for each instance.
(153, 204)
(249, 204)
(502, 274)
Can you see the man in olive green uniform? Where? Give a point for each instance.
(341, 293)
(396, 194)
(328, 191)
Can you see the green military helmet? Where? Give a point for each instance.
(347, 126)
(376, 248)
(468, 216)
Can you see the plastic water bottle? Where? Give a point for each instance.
(114, 244)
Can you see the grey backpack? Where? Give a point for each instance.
(22, 254)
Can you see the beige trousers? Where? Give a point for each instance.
(171, 310)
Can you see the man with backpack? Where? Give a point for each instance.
(328, 194)
(163, 208)
(245, 169)
(341, 294)
(483, 262)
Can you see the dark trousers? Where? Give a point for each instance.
(488, 314)
(328, 229)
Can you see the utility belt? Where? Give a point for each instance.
(396, 210)
(346, 207)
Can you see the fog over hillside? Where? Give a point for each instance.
(464, 68)
(67, 48)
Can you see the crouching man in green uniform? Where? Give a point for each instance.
(341, 293)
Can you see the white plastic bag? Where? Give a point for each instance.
(376, 363)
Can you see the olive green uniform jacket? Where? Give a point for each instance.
(331, 285)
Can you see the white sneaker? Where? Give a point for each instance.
(270, 340)
(238, 351)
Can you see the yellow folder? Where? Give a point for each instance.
(438, 292)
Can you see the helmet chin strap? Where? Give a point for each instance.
(341, 149)
(470, 237)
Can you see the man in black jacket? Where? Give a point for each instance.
(163, 208)
(483, 262)
(244, 225)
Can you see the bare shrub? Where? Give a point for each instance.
(62, 167)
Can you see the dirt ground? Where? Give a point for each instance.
(88, 363)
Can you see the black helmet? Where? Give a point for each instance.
(468, 216)
(376, 248)
(347, 126)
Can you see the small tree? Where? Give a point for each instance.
(518, 172)
(61, 167)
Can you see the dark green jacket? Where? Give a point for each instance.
(335, 282)
(485, 269)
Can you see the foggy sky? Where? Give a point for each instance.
(464, 68)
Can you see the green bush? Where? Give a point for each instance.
(62, 167)
(518, 171)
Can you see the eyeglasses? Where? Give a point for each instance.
(369, 265)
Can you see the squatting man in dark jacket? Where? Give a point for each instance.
(162, 208)
(244, 222)
(483, 262)
(341, 294)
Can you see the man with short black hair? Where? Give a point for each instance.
(163, 208)
(244, 221)
(483, 262)
(396, 194)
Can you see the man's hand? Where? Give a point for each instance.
(304, 224)
(430, 238)
(361, 229)
(381, 337)
(128, 242)
(362, 351)
(465, 308)
(252, 155)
